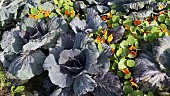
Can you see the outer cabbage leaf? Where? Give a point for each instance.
(91, 58)
(106, 49)
(102, 9)
(149, 49)
(149, 77)
(80, 40)
(56, 51)
(108, 85)
(136, 5)
(102, 65)
(58, 75)
(141, 14)
(47, 6)
(83, 84)
(163, 52)
(79, 5)
(117, 33)
(7, 58)
(77, 25)
(29, 25)
(66, 40)
(93, 20)
(11, 41)
(28, 65)
(68, 91)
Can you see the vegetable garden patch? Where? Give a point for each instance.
(84, 48)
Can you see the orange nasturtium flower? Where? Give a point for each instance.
(133, 53)
(110, 38)
(163, 30)
(161, 12)
(132, 47)
(47, 13)
(113, 50)
(31, 16)
(105, 32)
(97, 40)
(126, 71)
(66, 12)
(127, 27)
(155, 18)
(136, 22)
(78, 15)
(132, 82)
(103, 17)
(102, 40)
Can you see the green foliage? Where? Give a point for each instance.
(65, 8)
(34, 11)
(17, 89)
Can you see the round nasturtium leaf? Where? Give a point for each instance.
(124, 44)
(127, 83)
(34, 11)
(127, 76)
(125, 52)
(161, 18)
(150, 93)
(52, 15)
(130, 63)
(121, 64)
(127, 22)
(119, 73)
(138, 92)
(113, 11)
(115, 18)
(127, 89)
(167, 21)
(131, 56)
(40, 15)
(119, 51)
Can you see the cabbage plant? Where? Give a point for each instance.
(76, 66)
(22, 47)
(152, 67)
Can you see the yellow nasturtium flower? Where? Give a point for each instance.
(109, 15)
(110, 38)
(46, 14)
(72, 13)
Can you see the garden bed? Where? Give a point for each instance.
(85, 48)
